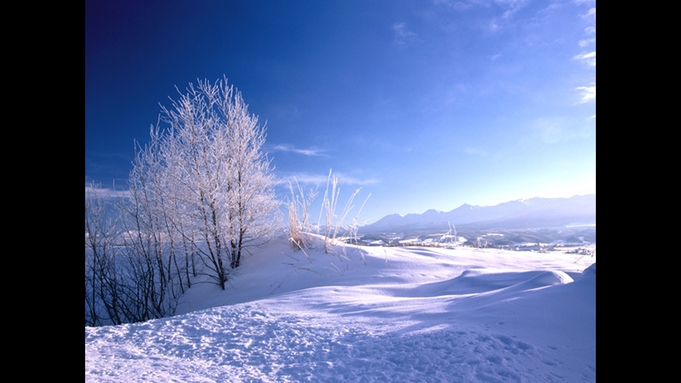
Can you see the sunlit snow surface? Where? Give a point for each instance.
(369, 314)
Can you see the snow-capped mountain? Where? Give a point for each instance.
(533, 212)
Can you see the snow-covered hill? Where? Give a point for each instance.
(370, 315)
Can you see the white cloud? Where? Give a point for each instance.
(458, 5)
(291, 149)
(588, 93)
(512, 6)
(97, 192)
(589, 58)
(403, 36)
(559, 129)
(591, 13)
(321, 179)
(493, 26)
(475, 151)
(587, 42)
(502, 12)
(550, 130)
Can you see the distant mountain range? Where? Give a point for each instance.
(519, 214)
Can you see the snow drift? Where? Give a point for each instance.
(368, 315)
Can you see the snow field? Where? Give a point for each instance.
(369, 315)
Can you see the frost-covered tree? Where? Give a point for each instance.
(125, 276)
(251, 196)
(100, 249)
(218, 187)
(200, 192)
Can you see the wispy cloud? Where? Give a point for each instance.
(589, 31)
(321, 179)
(466, 4)
(458, 5)
(403, 36)
(588, 93)
(97, 192)
(498, 14)
(510, 8)
(290, 149)
(552, 130)
(475, 151)
(586, 42)
(591, 13)
(589, 58)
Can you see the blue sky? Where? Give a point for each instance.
(423, 104)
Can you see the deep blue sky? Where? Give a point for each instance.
(424, 104)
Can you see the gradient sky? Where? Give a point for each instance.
(423, 104)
